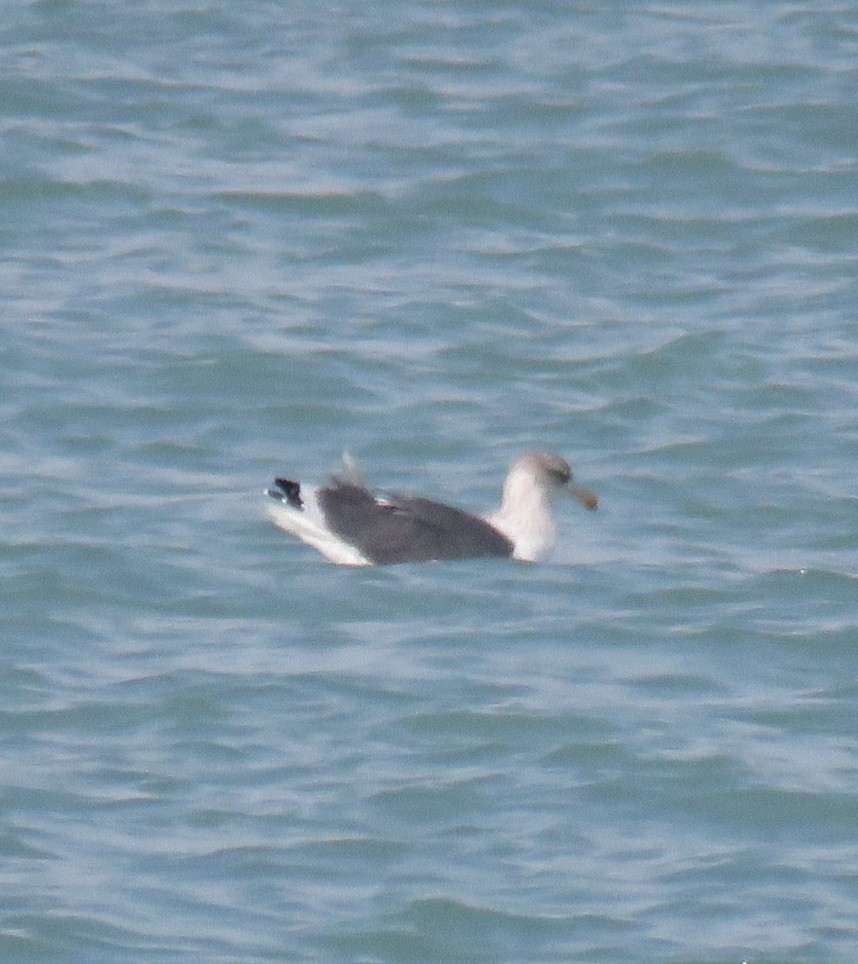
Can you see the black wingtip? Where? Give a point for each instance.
(288, 490)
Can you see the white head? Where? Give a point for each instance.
(525, 517)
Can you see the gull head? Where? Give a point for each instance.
(548, 475)
(525, 517)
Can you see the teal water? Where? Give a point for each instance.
(238, 239)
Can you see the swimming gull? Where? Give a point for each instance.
(349, 524)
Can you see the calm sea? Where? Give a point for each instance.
(239, 238)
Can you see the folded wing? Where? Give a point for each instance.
(405, 529)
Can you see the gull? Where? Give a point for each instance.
(350, 524)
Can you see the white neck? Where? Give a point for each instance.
(525, 516)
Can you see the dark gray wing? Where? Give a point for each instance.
(407, 529)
